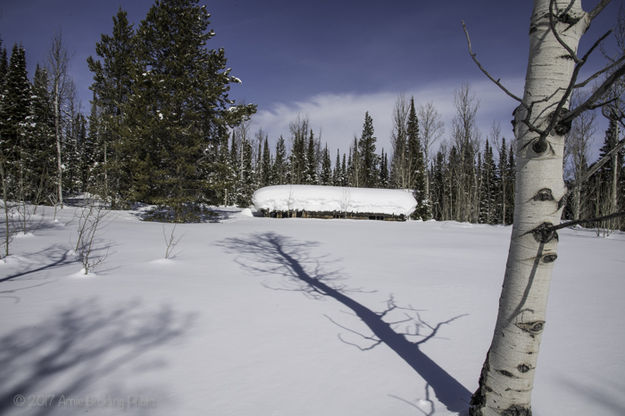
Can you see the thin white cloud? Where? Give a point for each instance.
(339, 117)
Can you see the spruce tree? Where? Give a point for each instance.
(488, 188)
(325, 178)
(503, 180)
(336, 174)
(606, 195)
(384, 174)
(343, 178)
(297, 159)
(354, 166)
(511, 183)
(4, 66)
(368, 171)
(15, 117)
(310, 171)
(113, 76)
(246, 175)
(179, 105)
(437, 185)
(266, 168)
(417, 172)
(43, 143)
(280, 164)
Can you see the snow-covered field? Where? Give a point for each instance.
(238, 323)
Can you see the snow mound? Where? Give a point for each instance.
(163, 262)
(247, 212)
(22, 234)
(317, 198)
(82, 275)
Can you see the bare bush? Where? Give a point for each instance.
(90, 221)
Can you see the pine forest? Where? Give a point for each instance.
(162, 130)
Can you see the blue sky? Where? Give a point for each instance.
(328, 60)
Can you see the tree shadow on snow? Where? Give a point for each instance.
(55, 256)
(64, 356)
(270, 253)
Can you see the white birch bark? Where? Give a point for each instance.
(507, 376)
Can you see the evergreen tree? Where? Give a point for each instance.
(310, 171)
(247, 174)
(325, 177)
(336, 174)
(368, 172)
(354, 165)
(344, 180)
(266, 168)
(179, 105)
(297, 159)
(503, 180)
(384, 173)
(606, 195)
(511, 184)
(43, 146)
(15, 117)
(399, 175)
(112, 88)
(280, 164)
(221, 176)
(4, 66)
(437, 185)
(417, 171)
(92, 171)
(488, 188)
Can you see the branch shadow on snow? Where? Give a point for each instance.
(64, 356)
(56, 256)
(270, 253)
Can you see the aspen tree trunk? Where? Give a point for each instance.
(507, 377)
(57, 134)
(613, 224)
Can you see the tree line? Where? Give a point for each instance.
(162, 130)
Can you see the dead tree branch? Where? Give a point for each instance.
(585, 221)
(598, 9)
(484, 71)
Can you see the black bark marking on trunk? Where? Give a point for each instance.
(533, 328)
(567, 18)
(540, 146)
(517, 410)
(550, 258)
(544, 233)
(544, 194)
(506, 373)
(523, 368)
(563, 128)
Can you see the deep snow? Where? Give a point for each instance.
(335, 199)
(234, 324)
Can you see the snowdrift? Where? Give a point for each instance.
(334, 199)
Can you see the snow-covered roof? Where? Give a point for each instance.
(317, 198)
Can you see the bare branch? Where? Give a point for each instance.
(595, 96)
(598, 9)
(552, 26)
(484, 71)
(600, 72)
(586, 221)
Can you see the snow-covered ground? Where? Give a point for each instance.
(236, 323)
(342, 199)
